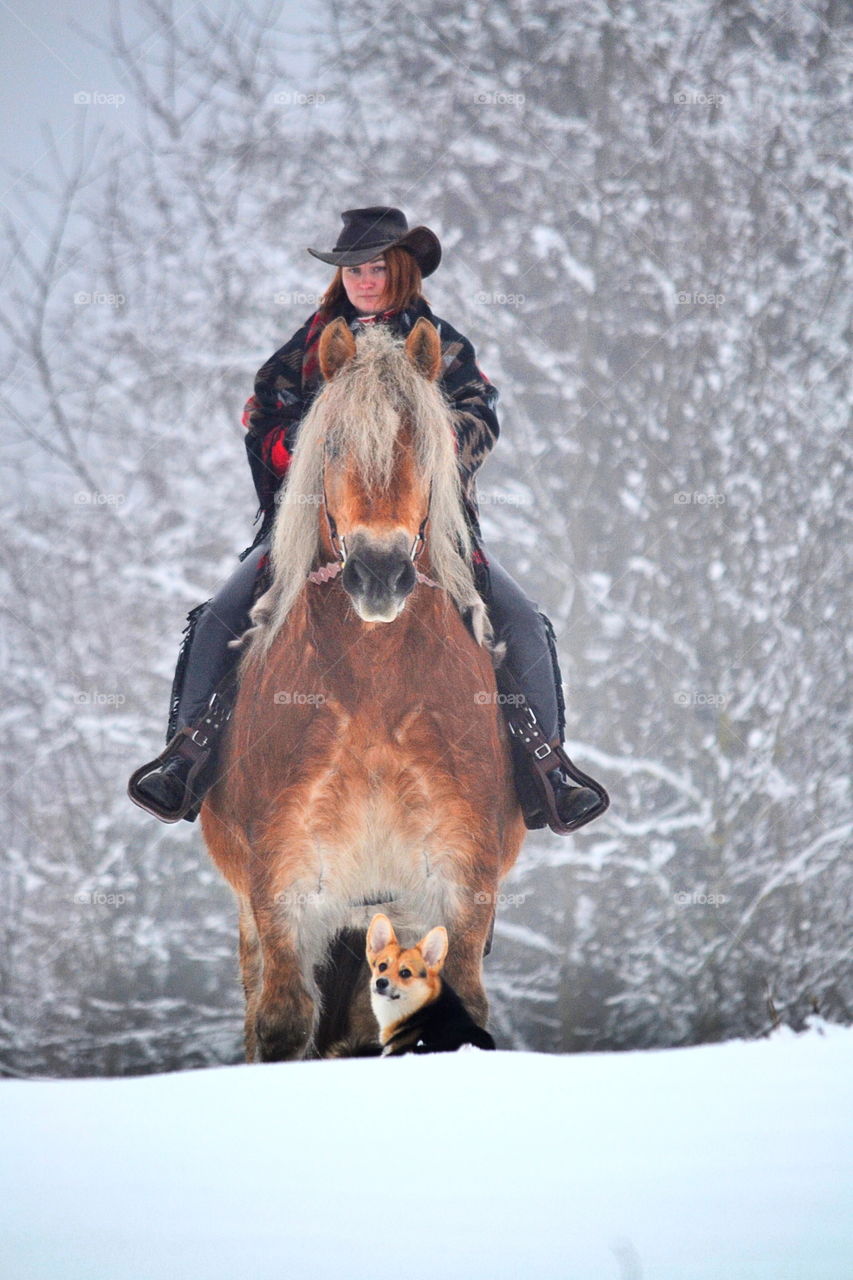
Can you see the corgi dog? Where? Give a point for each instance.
(417, 1011)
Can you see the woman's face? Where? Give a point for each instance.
(365, 285)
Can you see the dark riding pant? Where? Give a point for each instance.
(517, 621)
(515, 618)
(225, 618)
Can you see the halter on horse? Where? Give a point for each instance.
(367, 761)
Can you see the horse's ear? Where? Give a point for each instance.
(337, 346)
(433, 947)
(423, 347)
(380, 934)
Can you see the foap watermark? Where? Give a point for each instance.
(498, 299)
(504, 499)
(698, 98)
(696, 698)
(297, 298)
(299, 98)
(100, 898)
(300, 499)
(290, 899)
(82, 298)
(98, 698)
(697, 899)
(699, 298)
(489, 697)
(498, 98)
(95, 498)
(296, 697)
(684, 498)
(500, 899)
(94, 98)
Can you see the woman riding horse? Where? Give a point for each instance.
(380, 265)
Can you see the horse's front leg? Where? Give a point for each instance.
(283, 1013)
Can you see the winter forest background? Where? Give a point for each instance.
(645, 210)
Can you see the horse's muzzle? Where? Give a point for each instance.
(378, 581)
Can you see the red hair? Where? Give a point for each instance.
(402, 282)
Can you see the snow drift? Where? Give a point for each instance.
(731, 1160)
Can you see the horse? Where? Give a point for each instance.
(367, 763)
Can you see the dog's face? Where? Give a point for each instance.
(402, 980)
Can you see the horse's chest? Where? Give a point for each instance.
(377, 823)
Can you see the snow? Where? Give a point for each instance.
(730, 1160)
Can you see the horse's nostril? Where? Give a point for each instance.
(378, 575)
(357, 576)
(361, 571)
(403, 577)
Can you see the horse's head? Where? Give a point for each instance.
(377, 454)
(376, 496)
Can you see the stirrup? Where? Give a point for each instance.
(182, 744)
(195, 743)
(541, 758)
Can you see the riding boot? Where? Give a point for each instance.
(572, 803)
(552, 791)
(173, 785)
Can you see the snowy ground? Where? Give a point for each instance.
(722, 1162)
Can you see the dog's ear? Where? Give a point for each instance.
(337, 346)
(380, 934)
(433, 947)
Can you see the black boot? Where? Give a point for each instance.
(166, 785)
(173, 784)
(572, 802)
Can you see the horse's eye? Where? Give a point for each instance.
(405, 973)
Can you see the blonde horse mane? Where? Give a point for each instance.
(357, 415)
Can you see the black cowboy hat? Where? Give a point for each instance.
(367, 232)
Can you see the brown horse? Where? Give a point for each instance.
(367, 763)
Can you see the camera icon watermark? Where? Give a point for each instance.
(296, 298)
(686, 499)
(699, 298)
(300, 499)
(98, 898)
(98, 698)
(696, 698)
(297, 98)
(697, 899)
(95, 98)
(498, 299)
(498, 98)
(698, 98)
(94, 498)
(82, 298)
(292, 900)
(504, 499)
(491, 697)
(483, 899)
(296, 697)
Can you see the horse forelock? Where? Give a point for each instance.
(358, 415)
